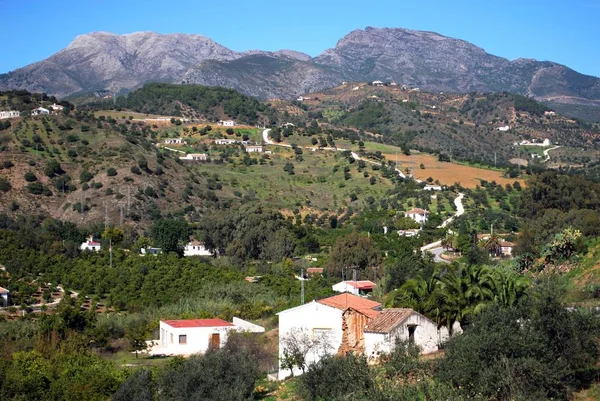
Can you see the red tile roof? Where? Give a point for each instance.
(93, 243)
(388, 319)
(507, 244)
(197, 323)
(362, 285)
(345, 301)
(314, 270)
(416, 210)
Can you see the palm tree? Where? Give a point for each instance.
(509, 287)
(418, 294)
(492, 244)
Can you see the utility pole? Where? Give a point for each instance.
(301, 286)
(128, 198)
(494, 159)
(122, 217)
(82, 204)
(106, 219)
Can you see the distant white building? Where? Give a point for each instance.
(40, 111)
(195, 157)
(9, 114)
(549, 113)
(377, 83)
(417, 214)
(4, 296)
(413, 232)
(196, 248)
(173, 141)
(90, 245)
(255, 148)
(196, 336)
(363, 287)
(57, 107)
(227, 123)
(432, 187)
(150, 251)
(504, 128)
(226, 141)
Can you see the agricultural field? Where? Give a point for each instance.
(447, 173)
(314, 186)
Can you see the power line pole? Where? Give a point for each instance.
(301, 286)
(122, 216)
(106, 219)
(128, 198)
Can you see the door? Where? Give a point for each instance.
(411, 333)
(215, 341)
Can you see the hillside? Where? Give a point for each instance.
(102, 62)
(465, 127)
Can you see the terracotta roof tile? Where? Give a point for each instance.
(346, 300)
(197, 323)
(388, 319)
(417, 210)
(362, 285)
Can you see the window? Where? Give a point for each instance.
(171, 338)
(182, 339)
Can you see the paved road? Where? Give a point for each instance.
(436, 254)
(460, 210)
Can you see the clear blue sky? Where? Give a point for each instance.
(566, 32)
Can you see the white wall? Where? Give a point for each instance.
(344, 287)
(198, 338)
(426, 336)
(195, 250)
(242, 325)
(310, 316)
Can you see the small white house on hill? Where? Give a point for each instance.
(4, 296)
(196, 248)
(363, 287)
(90, 245)
(173, 141)
(194, 336)
(227, 123)
(403, 324)
(417, 214)
(254, 149)
(9, 114)
(201, 157)
(39, 111)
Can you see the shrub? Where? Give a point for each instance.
(5, 185)
(111, 172)
(85, 176)
(30, 176)
(7, 164)
(136, 170)
(37, 188)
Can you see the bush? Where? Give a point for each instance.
(7, 164)
(85, 176)
(322, 380)
(5, 185)
(37, 188)
(136, 170)
(111, 172)
(30, 176)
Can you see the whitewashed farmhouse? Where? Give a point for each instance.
(403, 324)
(363, 287)
(227, 123)
(90, 245)
(195, 248)
(328, 326)
(255, 148)
(193, 336)
(173, 141)
(195, 157)
(417, 214)
(39, 111)
(9, 114)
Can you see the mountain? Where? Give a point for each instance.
(103, 61)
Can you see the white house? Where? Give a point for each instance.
(227, 123)
(193, 336)
(403, 324)
(417, 214)
(549, 113)
(57, 107)
(195, 248)
(412, 232)
(150, 251)
(39, 111)
(432, 187)
(355, 287)
(331, 325)
(90, 245)
(377, 83)
(195, 157)
(9, 114)
(173, 141)
(4, 296)
(504, 128)
(255, 149)
(226, 141)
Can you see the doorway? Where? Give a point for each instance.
(215, 341)
(411, 333)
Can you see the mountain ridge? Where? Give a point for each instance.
(103, 61)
